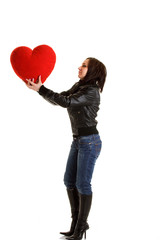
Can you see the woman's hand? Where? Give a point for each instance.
(34, 86)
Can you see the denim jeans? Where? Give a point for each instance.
(81, 161)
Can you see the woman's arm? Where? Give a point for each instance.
(84, 96)
(47, 93)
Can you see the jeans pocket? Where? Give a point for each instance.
(98, 147)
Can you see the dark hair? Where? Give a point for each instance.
(96, 73)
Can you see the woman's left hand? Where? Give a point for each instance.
(34, 86)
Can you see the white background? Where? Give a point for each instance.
(36, 136)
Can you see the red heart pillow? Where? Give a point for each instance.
(30, 64)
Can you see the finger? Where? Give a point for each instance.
(28, 79)
(30, 82)
(37, 81)
(28, 85)
(27, 82)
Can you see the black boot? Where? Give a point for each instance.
(82, 225)
(74, 203)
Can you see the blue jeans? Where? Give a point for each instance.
(81, 161)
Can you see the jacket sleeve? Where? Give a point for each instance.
(85, 96)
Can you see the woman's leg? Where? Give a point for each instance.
(71, 167)
(74, 204)
(70, 182)
(89, 150)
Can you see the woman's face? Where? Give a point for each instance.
(83, 69)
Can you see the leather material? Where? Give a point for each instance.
(74, 204)
(82, 103)
(82, 225)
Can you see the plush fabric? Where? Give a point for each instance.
(28, 63)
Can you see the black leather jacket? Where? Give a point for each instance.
(82, 102)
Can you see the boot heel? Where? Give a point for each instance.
(85, 235)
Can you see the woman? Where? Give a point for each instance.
(82, 102)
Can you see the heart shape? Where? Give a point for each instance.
(28, 63)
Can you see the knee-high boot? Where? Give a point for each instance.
(82, 225)
(74, 204)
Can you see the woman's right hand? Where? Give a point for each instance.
(34, 86)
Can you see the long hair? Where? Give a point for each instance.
(96, 73)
